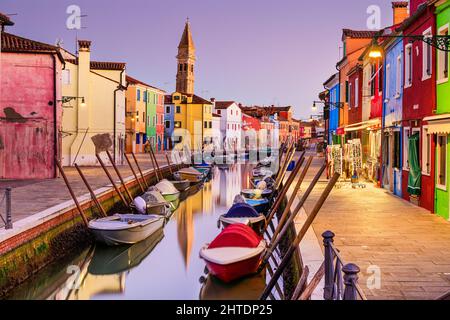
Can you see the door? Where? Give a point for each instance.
(397, 163)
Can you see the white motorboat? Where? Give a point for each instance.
(125, 228)
(152, 202)
(168, 190)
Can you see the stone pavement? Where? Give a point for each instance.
(30, 197)
(410, 245)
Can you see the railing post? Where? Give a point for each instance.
(9, 223)
(350, 279)
(328, 239)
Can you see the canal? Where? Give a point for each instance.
(164, 267)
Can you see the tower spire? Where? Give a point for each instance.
(186, 61)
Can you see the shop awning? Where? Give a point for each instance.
(363, 125)
(438, 124)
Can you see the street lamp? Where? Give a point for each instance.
(376, 51)
(327, 105)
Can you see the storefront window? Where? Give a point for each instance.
(396, 151)
(426, 152)
(442, 161)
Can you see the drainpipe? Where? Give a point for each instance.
(121, 87)
(55, 119)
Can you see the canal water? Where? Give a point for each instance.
(164, 267)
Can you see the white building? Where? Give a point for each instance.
(230, 124)
(217, 118)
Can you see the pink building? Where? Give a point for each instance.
(30, 107)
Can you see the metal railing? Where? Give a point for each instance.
(341, 280)
(6, 203)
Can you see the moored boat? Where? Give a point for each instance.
(168, 190)
(152, 202)
(244, 214)
(260, 205)
(125, 228)
(193, 175)
(234, 254)
(256, 193)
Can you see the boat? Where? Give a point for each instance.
(125, 228)
(262, 172)
(260, 205)
(256, 193)
(168, 190)
(152, 202)
(181, 185)
(244, 214)
(235, 253)
(193, 175)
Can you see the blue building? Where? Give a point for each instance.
(332, 85)
(392, 143)
(169, 114)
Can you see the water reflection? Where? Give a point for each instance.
(166, 266)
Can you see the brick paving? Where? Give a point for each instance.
(30, 197)
(410, 245)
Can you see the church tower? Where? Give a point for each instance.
(186, 61)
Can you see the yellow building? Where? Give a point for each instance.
(93, 108)
(191, 112)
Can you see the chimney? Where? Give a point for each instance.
(84, 69)
(213, 100)
(400, 11)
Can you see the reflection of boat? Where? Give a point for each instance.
(125, 228)
(235, 253)
(244, 214)
(249, 288)
(112, 260)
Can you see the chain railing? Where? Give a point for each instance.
(5, 202)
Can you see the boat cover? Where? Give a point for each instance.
(242, 210)
(153, 197)
(166, 187)
(190, 170)
(236, 235)
(255, 202)
(239, 199)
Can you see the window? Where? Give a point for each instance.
(443, 56)
(426, 55)
(398, 78)
(388, 81)
(177, 98)
(210, 124)
(350, 95)
(380, 78)
(145, 96)
(356, 92)
(408, 65)
(154, 121)
(406, 135)
(205, 124)
(177, 124)
(180, 67)
(372, 81)
(396, 151)
(426, 152)
(167, 124)
(167, 109)
(143, 117)
(219, 111)
(138, 138)
(138, 95)
(442, 161)
(66, 77)
(178, 109)
(347, 93)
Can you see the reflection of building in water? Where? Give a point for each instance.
(206, 197)
(230, 185)
(215, 187)
(185, 230)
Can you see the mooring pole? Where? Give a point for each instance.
(134, 172)
(168, 163)
(300, 236)
(88, 186)
(156, 163)
(119, 175)
(140, 171)
(155, 171)
(9, 222)
(112, 180)
(74, 198)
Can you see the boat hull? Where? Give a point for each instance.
(171, 197)
(181, 185)
(231, 272)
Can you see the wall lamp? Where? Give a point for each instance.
(67, 99)
(327, 105)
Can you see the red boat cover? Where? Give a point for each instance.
(236, 235)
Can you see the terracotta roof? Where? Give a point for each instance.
(358, 34)
(408, 22)
(223, 104)
(400, 4)
(283, 119)
(356, 68)
(132, 80)
(199, 100)
(13, 43)
(278, 109)
(102, 65)
(5, 21)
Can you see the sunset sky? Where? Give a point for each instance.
(254, 52)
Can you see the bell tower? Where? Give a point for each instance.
(186, 61)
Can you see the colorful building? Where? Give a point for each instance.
(439, 125)
(231, 123)
(355, 76)
(333, 87)
(168, 122)
(94, 118)
(217, 140)
(419, 102)
(30, 106)
(250, 127)
(155, 99)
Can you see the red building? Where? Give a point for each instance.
(419, 97)
(250, 127)
(355, 79)
(30, 107)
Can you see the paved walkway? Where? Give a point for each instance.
(410, 245)
(30, 197)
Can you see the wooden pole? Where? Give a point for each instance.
(285, 214)
(155, 172)
(120, 176)
(156, 162)
(88, 186)
(134, 172)
(276, 240)
(306, 294)
(284, 190)
(168, 163)
(63, 174)
(139, 169)
(112, 180)
(287, 257)
(282, 173)
(301, 284)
